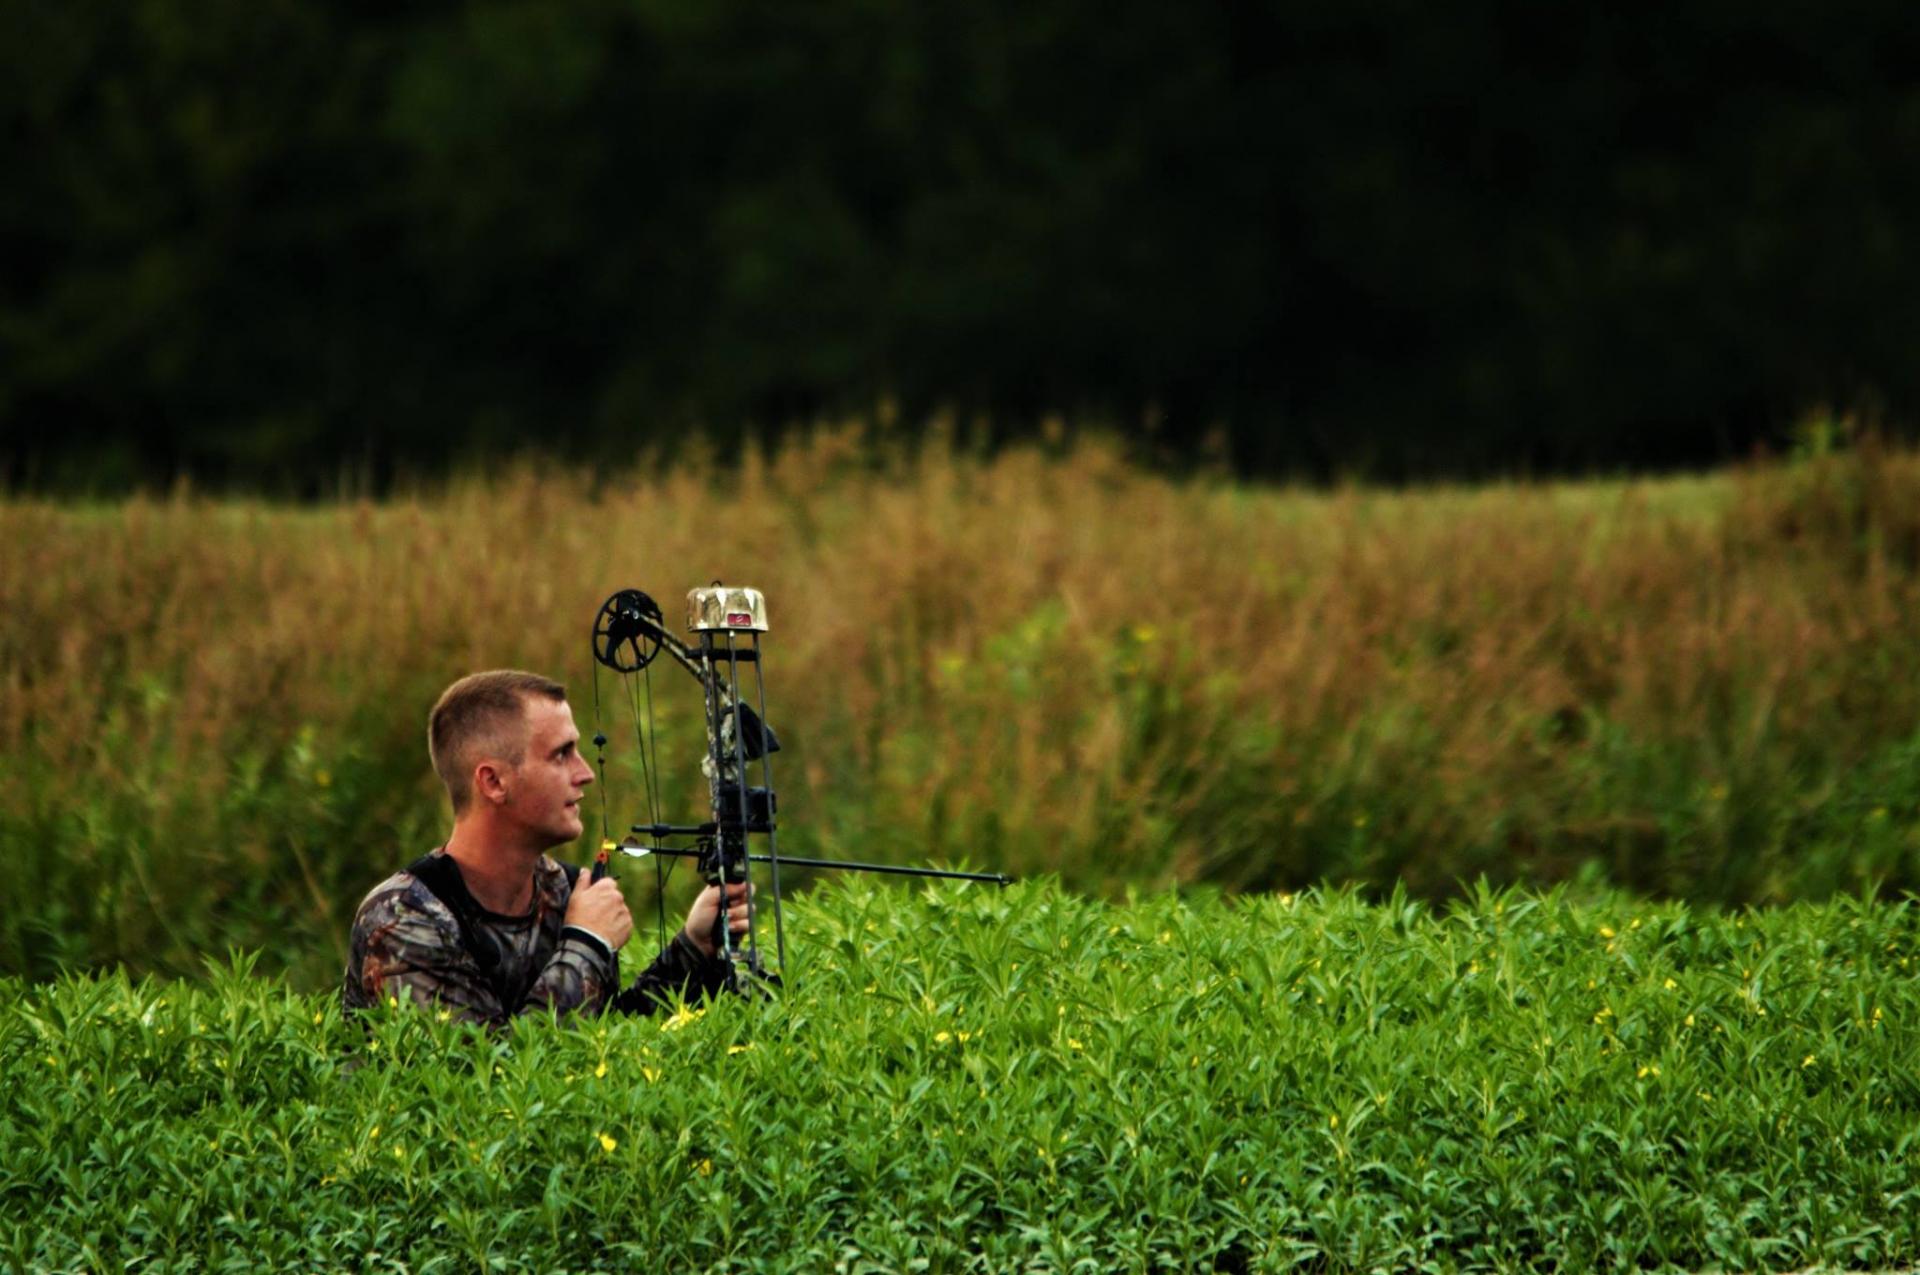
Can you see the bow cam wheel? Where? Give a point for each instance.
(626, 632)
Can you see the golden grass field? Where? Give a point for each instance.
(1047, 660)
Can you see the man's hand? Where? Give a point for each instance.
(706, 910)
(600, 907)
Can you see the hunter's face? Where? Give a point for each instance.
(544, 792)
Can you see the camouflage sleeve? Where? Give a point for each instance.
(579, 978)
(405, 947)
(680, 969)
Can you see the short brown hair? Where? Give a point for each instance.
(482, 715)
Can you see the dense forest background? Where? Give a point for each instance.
(287, 246)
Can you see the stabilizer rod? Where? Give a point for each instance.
(845, 865)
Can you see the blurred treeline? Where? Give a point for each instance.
(282, 244)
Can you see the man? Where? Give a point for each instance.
(488, 926)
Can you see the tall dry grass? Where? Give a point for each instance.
(211, 713)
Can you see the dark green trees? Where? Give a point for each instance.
(248, 241)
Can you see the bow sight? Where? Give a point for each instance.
(629, 633)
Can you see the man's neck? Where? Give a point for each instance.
(498, 876)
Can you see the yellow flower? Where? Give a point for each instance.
(1074, 1044)
(317, 1018)
(651, 1073)
(1689, 1020)
(1333, 1122)
(375, 1132)
(601, 1070)
(706, 1168)
(1807, 1061)
(606, 1144)
(940, 1038)
(1606, 931)
(738, 1049)
(1651, 1069)
(1670, 984)
(965, 1037)
(681, 1017)
(393, 1002)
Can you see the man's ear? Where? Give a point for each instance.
(490, 782)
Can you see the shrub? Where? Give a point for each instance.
(968, 1079)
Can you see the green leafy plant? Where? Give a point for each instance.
(964, 1079)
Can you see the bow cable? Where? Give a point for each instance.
(650, 780)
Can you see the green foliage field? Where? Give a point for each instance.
(969, 1079)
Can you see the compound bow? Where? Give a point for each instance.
(629, 633)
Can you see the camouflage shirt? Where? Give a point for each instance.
(406, 945)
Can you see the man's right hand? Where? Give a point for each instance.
(600, 907)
